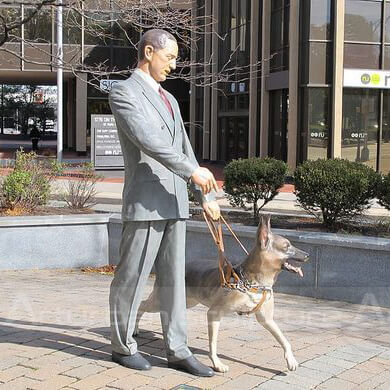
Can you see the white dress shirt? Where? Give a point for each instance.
(149, 79)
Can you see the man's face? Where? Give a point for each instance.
(163, 61)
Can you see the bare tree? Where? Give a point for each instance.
(93, 28)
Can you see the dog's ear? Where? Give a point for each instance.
(264, 231)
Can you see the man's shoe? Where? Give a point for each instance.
(193, 366)
(136, 361)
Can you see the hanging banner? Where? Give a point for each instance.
(366, 78)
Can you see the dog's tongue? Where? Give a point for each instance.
(291, 268)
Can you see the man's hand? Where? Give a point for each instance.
(212, 209)
(204, 179)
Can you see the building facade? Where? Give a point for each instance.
(313, 81)
(291, 79)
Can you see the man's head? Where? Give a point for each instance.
(157, 53)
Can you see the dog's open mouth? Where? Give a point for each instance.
(292, 268)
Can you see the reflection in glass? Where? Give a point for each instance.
(7, 17)
(278, 124)
(318, 123)
(387, 22)
(385, 141)
(320, 63)
(232, 138)
(363, 20)
(360, 125)
(320, 19)
(39, 28)
(361, 56)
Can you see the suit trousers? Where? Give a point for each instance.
(143, 244)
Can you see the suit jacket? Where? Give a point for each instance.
(157, 153)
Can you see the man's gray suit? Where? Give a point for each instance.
(158, 162)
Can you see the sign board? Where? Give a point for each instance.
(106, 85)
(105, 146)
(366, 78)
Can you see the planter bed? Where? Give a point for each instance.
(55, 241)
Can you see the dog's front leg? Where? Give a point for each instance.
(213, 321)
(265, 317)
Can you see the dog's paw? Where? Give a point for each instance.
(292, 363)
(219, 366)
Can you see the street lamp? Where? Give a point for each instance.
(60, 56)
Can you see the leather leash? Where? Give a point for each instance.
(226, 277)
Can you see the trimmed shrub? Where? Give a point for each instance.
(249, 180)
(384, 192)
(28, 185)
(339, 189)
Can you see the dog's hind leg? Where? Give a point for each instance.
(149, 305)
(213, 321)
(265, 317)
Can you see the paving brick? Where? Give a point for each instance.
(93, 382)
(243, 382)
(277, 385)
(132, 381)
(170, 381)
(20, 384)
(297, 380)
(372, 366)
(84, 371)
(323, 367)
(209, 383)
(346, 364)
(13, 373)
(55, 382)
(356, 376)
(337, 384)
(47, 372)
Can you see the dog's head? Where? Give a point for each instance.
(277, 253)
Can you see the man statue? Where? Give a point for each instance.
(159, 162)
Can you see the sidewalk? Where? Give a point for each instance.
(109, 197)
(54, 334)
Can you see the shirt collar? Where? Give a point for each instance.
(148, 79)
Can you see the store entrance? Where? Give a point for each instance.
(232, 138)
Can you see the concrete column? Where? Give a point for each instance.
(265, 59)
(293, 85)
(207, 90)
(254, 74)
(337, 90)
(81, 113)
(214, 91)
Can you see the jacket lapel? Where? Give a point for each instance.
(157, 102)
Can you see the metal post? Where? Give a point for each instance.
(59, 82)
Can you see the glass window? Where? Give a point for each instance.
(360, 125)
(276, 30)
(39, 28)
(320, 63)
(8, 16)
(361, 56)
(363, 20)
(385, 141)
(318, 123)
(278, 116)
(320, 19)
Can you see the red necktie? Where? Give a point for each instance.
(166, 101)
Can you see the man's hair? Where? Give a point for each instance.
(156, 38)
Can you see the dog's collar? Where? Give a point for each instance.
(245, 286)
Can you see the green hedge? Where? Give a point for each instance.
(339, 189)
(247, 181)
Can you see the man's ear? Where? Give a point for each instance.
(263, 232)
(149, 52)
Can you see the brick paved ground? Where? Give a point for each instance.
(54, 335)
